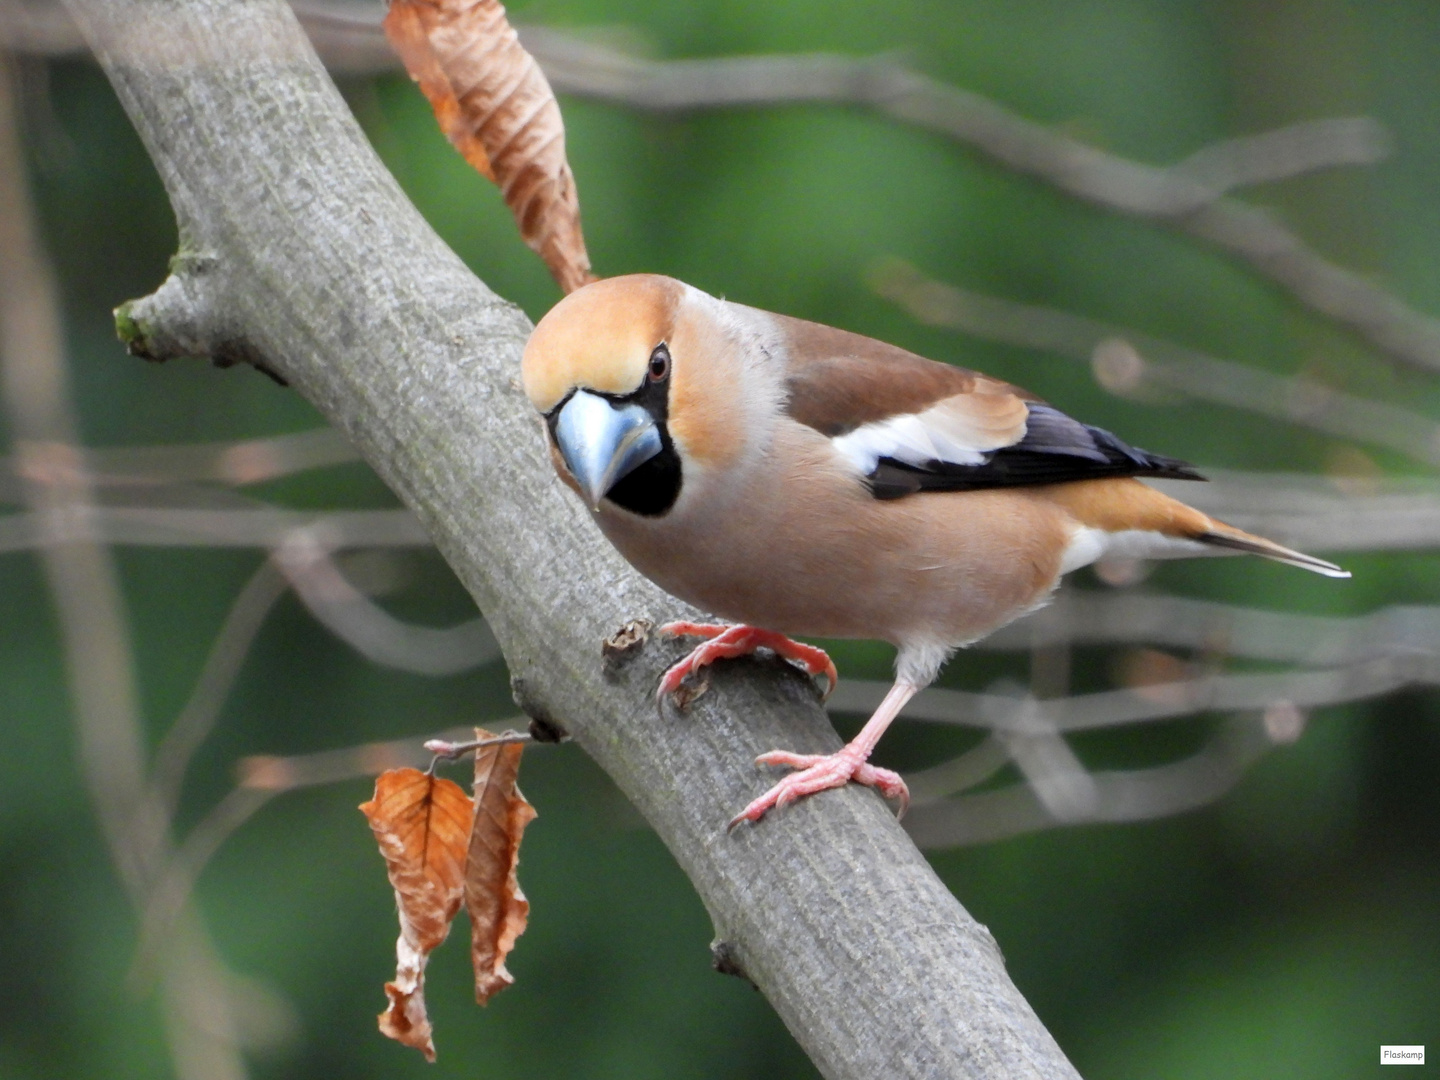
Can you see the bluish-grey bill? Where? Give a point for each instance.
(603, 442)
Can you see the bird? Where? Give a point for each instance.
(793, 478)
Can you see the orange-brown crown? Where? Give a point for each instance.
(599, 338)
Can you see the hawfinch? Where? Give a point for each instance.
(797, 479)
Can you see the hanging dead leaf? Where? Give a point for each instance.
(498, 909)
(421, 824)
(494, 103)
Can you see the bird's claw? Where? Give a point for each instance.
(727, 642)
(820, 772)
(691, 685)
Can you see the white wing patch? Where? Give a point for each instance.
(941, 433)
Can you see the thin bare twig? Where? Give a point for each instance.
(1116, 708)
(369, 628)
(246, 461)
(1051, 770)
(1087, 617)
(331, 766)
(240, 462)
(1305, 147)
(227, 654)
(261, 526)
(960, 773)
(451, 750)
(170, 893)
(1129, 795)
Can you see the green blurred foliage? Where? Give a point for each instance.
(1286, 932)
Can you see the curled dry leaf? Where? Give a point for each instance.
(498, 909)
(421, 824)
(494, 103)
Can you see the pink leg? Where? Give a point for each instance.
(728, 642)
(818, 772)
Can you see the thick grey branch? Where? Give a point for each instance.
(189, 315)
(337, 283)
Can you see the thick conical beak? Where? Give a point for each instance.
(602, 442)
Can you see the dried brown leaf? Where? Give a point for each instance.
(498, 909)
(421, 824)
(494, 103)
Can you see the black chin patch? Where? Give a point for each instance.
(650, 489)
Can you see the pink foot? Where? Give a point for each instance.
(728, 642)
(820, 772)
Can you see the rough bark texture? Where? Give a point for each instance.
(301, 254)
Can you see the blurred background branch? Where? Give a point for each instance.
(1189, 196)
(1127, 362)
(200, 1021)
(1218, 685)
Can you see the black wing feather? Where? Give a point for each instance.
(1055, 449)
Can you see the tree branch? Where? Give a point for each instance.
(329, 277)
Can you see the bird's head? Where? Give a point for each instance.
(639, 381)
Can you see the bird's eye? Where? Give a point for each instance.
(659, 363)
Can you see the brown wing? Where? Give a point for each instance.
(909, 424)
(839, 381)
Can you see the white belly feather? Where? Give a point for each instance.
(1089, 545)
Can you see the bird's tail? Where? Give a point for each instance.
(1221, 535)
(1126, 507)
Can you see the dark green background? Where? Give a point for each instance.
(1286, 932)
